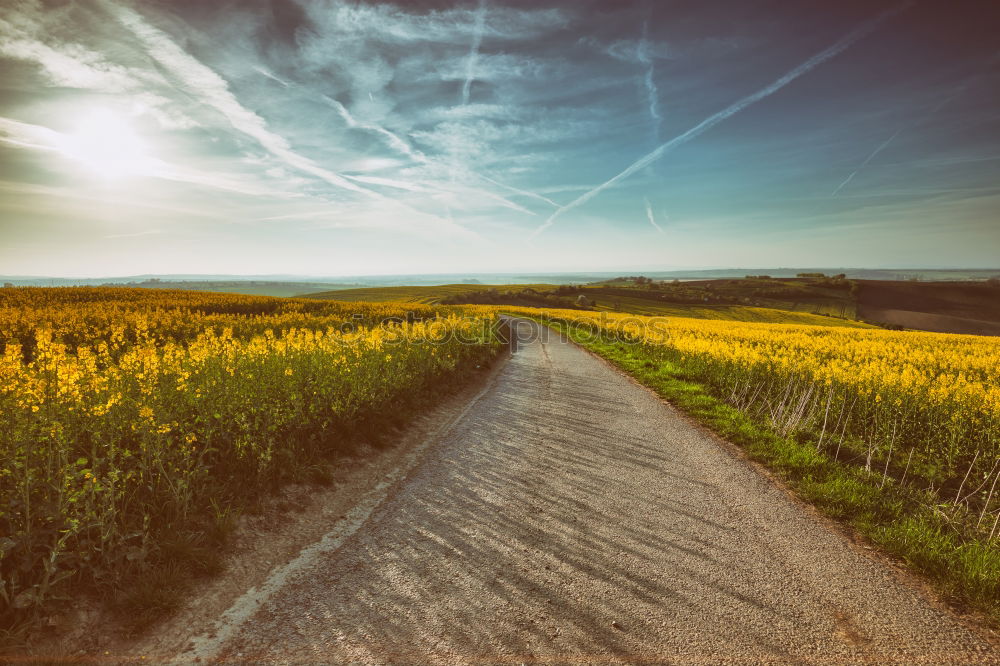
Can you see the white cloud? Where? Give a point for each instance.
(26, 135)
(456, 26)
(629, 49)
(38, 137)
(211, 89)
(478, 26)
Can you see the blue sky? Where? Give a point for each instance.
(344, 138)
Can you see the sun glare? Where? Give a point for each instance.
(107, 146)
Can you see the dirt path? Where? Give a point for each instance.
(569, 516)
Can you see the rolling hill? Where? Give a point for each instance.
(947, 307)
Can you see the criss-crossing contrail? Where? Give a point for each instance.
(389, 138)
(649, 215)
(516, 190)
(477, 40)
(713, 120)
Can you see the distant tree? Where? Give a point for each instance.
(8, 285)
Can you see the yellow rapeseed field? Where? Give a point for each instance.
(132, 416)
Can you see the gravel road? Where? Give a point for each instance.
(570, 516)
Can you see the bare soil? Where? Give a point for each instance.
(945, 307)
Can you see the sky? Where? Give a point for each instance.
(326, 137)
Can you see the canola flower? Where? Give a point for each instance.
(120, 317)
(126, 413)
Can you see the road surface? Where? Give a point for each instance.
(570, 516)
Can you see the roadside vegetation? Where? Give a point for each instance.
(894, 433)
(137, 424)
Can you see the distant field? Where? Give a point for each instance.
(729, 312)
(825, 296)
(832, 307)
(608, 300)
(275, 288)
(429, 294)
(945, 307)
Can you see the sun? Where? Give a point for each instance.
(107, 146)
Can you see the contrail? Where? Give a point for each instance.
(867, 160)
(477, 40)
(958, 91)
(649, 214)
(652, 94)
(264, 72)
(213, 91)
(389, 138)
(942, 161)
(526, 193)
(401, 146)
(713, 120)
(504, 202)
